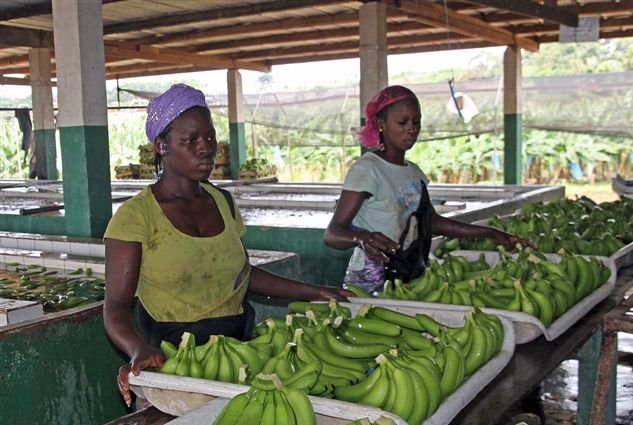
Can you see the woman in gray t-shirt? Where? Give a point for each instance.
(382, 190)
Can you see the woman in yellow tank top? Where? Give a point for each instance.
(177, 246)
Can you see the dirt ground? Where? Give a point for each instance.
(598, 192)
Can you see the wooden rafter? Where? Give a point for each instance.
(251, 29)
(113, 50)
(37, 9)
(25, 37)
(532, 9)
(434, 14)
(219, 13)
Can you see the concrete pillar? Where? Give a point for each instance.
(43, 113)
(82, 117)
(237, 149)
(373, 52)
(512, 115)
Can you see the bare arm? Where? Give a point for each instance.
(268, 284)
(453, 228)
(123, 260)
(339, 236)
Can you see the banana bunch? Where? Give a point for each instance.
(402, 386)
(221, 358)
(397, 290)
(184, 361)
(268, 402)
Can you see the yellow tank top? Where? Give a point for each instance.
(184, 278)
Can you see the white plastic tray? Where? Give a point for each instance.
(173, 394)
(526, 326)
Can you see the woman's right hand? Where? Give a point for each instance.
(377, 246)
(144, 358)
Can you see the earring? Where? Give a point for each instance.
(381, 145)
(161, 149)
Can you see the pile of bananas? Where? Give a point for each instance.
(327, 352)
(579, 227)
(54, 291)
(530, 283)
(412, 381)
(268, 402)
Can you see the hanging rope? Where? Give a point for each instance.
(451, 82)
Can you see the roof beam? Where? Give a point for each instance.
(36, 9)
(535, 10)
(250, 29)
(219, 13)
(301, 38)
(434, 14)
(176, 57)
(25, 37)
(612, 23)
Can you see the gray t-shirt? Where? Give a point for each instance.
(395, 189)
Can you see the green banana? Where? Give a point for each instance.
(428, 324)
(233, 409)
(378, 394)
(302, 306)
(545, 307)
(475, 357)
(567, 288)
(375, 326)
(350, 351)
(404, 394)
(453, 372)
(431, 378)
(355, 392)
(247, 353)
(212, 363)
(395, 317)
(226, 373)
(168, 349)
(420, 408)
(560, 303)
(300, 405)
(252, 412)
(358, 291)
(268, 414)
(284, 415)
(358, 337)
(584, 282)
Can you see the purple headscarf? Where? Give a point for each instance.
(165, 108)
(369, 135)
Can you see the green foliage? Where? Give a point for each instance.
(13, 162)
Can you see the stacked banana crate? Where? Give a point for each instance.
(147, 169)
(222, 169)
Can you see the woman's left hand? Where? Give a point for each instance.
(510, 241)
(324, 293)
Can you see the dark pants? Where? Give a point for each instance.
(239, 326)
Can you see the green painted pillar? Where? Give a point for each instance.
(43, 114)
(82, 116)
(513, 134)
(373, 52)
(512, 118)
(237, 132)
(588, 357)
